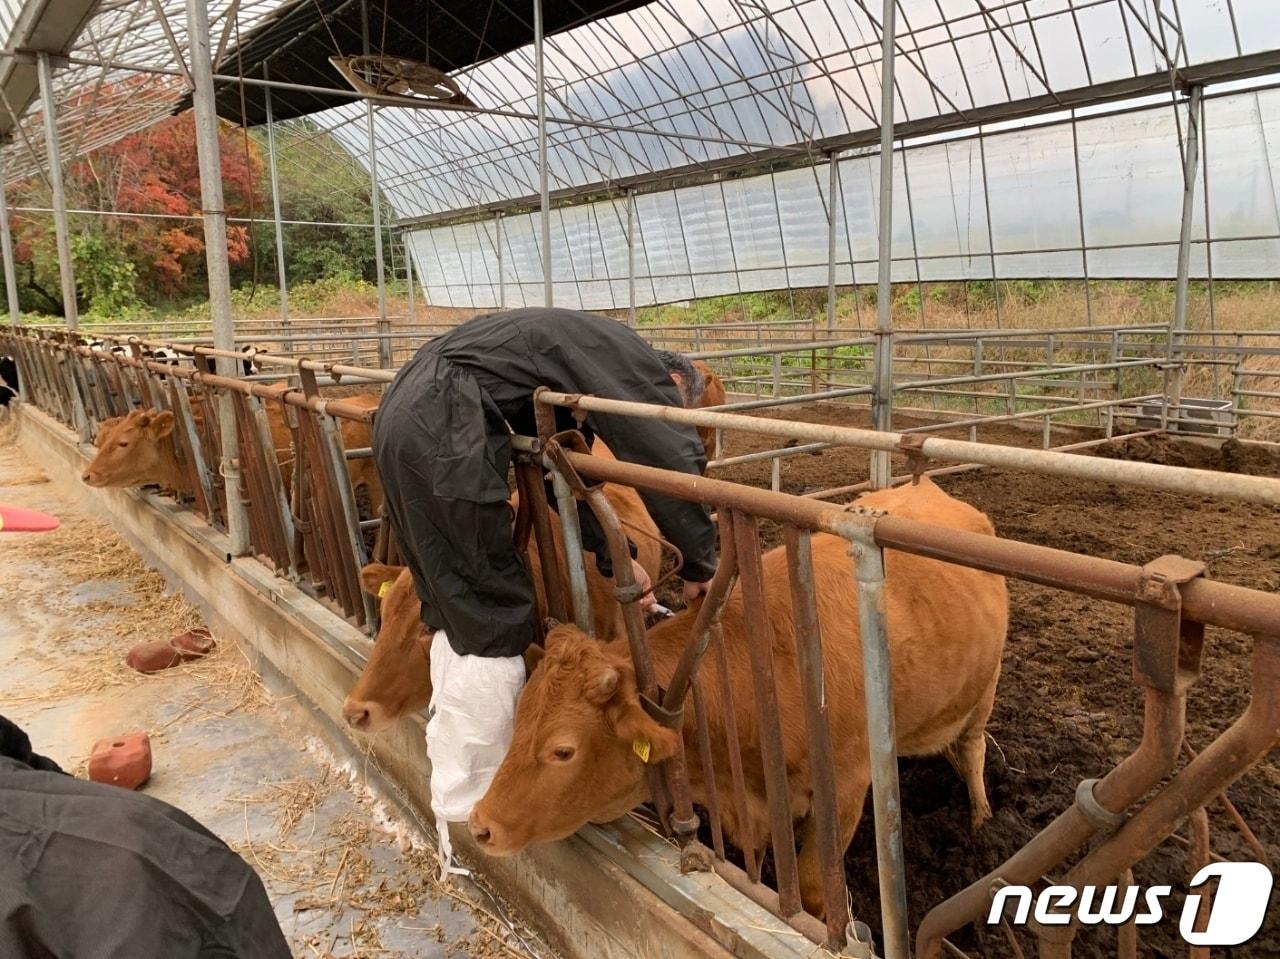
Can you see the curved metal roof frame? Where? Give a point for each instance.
(704, 88)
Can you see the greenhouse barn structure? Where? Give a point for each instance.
(873, 195)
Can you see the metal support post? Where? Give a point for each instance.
(407, 245)
(281, 279)
(6, 247)
(1173, 391)
(544, 206)
(54, 164)
(877, 671)
(833, 193)
(499, 242)
(631, 260)
(384, 325)
(882, 396)
(214, 216)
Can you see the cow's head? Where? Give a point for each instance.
(397, 678)
(579, 749)
(130, 450)
(105, 429)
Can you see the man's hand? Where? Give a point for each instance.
(648, 601)
(693, 590)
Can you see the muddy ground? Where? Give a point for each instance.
(1068, 708)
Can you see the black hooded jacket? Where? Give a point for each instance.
(443, 448)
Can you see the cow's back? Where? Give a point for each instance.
(946, 627)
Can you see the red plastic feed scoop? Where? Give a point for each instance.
(16, 519)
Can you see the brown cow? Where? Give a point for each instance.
(396, 680)
(580, 727)
(137, 450)
(713, 394)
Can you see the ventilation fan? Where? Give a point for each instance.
(380, 74)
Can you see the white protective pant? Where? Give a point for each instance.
(471, 718)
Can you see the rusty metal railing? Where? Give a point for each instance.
(309, 529)
(301, 508)
(1173, 601)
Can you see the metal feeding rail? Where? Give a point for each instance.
(1172, 599)
(312, 531)
(1176, 479)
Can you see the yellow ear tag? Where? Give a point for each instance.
(641, 748)
(385, 588)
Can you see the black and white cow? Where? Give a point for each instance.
(8, 380)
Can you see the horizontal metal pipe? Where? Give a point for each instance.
(1205, 601)
(335, 407)
(768, 455)
(963, 468)
(1176, 479)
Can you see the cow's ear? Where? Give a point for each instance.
(649, 740)
(532, 656)
(374, 576)
(161, 425)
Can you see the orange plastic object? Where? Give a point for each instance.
(121, 760)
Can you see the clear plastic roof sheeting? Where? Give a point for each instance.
(1021, 219)
(692, 85)
(718, 118)
(1042, 138)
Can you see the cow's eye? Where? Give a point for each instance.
(562, 754)
(122, 444)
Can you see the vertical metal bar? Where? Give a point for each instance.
(10, 273)
(1173, 394)
(407, 245)
(384, 325)
(186, 437)
(882, 395)
(281, 279)
(747, 839)
(833, 191)
(354, 556)
(813, 694)
(214, 216)
(1126, 934)
(760, 640)
(499, 242)
(1208, 242)
(54, 163)
(275, 483)
(1084, 247)
(567, 507)
(631, 259)
(535, 494)
(707, 765)
(877, 671)
(544, 206)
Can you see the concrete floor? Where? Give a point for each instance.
(345, 876)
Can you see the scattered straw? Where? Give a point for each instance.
(30, 478)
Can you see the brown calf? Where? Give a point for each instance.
(396, 680)
(573, 761)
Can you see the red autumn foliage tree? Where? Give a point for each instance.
(156, 171)
(153, 172)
